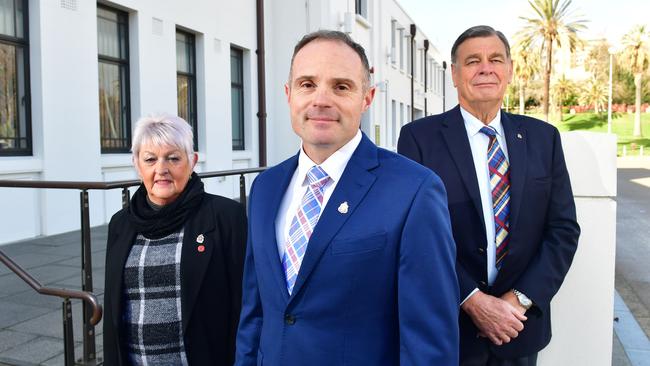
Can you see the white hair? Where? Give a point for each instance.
(162, 130)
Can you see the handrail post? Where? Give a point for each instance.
(87, 279)
(126, 196)
(242, 190)
(68, 335)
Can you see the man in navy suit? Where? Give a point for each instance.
(510, 201)
(350, 259)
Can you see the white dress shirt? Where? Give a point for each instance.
(333, 166)
(479, 142)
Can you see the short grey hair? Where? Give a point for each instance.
(479, 31)
(162, 130)
(335, 36)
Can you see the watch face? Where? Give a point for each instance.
(523, 300)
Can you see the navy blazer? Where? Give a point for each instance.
(377, 285)
(210, 282)
(543, 228)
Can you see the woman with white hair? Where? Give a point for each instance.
(174, 259)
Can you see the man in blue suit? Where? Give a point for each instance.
(510, 202)
(350, 259)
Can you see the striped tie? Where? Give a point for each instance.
(303, 224)
(500, 185)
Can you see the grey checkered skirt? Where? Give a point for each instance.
(152, 294)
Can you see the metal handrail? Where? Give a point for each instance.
(92, 305)
(63, 293)
(84, 185)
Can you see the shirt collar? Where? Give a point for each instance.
(334, 165)
(473, 125)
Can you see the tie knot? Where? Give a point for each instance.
(317, 176)
(489, 131)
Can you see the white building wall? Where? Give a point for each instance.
(65, 110)
(287, 22)
(64, 91)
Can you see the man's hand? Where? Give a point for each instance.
(495, 318)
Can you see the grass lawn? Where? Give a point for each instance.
(622, 124)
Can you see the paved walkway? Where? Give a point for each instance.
(31, 330)
(633, 252)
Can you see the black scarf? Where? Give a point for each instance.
(155, 224)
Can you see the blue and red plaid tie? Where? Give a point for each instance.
(303, 224)
(500, 185)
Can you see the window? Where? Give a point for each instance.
(434, 74)
(429, 74)
(394, 122)
(113, 54)
(421, 63)
(393, 48)
(427, 67)
(408, 56)
(186, 80)
(15, 123)
(400, 32)
(361, 7)
(414, 70)
(237, 97)
(418, 66)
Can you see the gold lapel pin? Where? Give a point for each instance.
(200, 239)
(343, 207)
(519, 136)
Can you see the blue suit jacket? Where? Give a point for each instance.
(377, 285)
(543, 228)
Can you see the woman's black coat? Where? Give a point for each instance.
(210, 282)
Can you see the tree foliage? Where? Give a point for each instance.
(597, 63)
(552, 25)
(526, 64)
(594, 93)
(636, 59)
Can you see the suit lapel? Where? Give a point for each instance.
(516, 143)
(273, 199)
(353, 186)
(455, 136)
(195, 260)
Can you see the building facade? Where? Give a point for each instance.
(76, 76)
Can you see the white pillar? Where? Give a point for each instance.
(582, 311)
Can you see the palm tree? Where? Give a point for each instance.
(526, 65)
(636, 58)
(562, 88)
(594, 92)
(552, 25)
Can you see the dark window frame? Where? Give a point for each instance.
(238, 143)
(361, 8)
(191, 76)
(22, 43)
(125, 84)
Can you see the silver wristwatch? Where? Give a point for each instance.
(524, 301)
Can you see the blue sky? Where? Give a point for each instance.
(444, 20)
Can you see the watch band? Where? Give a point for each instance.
(524, 301)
